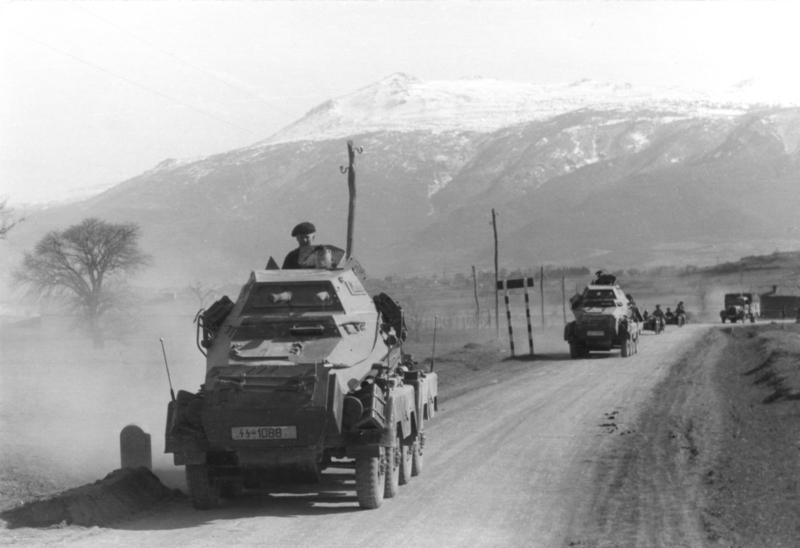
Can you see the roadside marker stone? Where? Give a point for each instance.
(134, 446)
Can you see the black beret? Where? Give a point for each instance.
(303, 228)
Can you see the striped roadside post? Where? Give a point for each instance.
(508, 317)
(528, 314)
(520, 283)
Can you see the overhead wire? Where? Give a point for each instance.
(272, 104)
(136, 84)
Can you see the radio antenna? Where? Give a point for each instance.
(166, 365)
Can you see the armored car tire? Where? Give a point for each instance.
(393, 457)
(577, 350)
(230, 488)
(370, 480)
(416, 456)
(626, 349)
(406, 458)
(203, 489)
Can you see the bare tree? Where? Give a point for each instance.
(81, 263)
(201, 292)
(7, 222)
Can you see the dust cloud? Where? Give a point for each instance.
(63, 402)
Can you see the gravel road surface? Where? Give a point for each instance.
(511, 463)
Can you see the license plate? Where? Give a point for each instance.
(595, 333)
(264, 432)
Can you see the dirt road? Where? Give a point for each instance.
(514, 463)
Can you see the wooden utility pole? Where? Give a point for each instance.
(541, 292)
(351, 187)
(564, 295)
(496, 279)
(477, 303)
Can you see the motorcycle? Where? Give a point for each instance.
(654, 324)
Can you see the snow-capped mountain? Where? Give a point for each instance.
(403, 103)
(588, 174)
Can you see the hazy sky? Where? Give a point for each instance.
(92, 93)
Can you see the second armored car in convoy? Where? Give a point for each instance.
(604, 319)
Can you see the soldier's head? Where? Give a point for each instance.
(658, 307)
(304, 233)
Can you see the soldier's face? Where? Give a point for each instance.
(304, 239)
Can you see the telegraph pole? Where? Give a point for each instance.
(541, 292)
(477, 303)
(351, 187)
(496, 279)
(563, 295)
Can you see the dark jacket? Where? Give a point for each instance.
(292, 259)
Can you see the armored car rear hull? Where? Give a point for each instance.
(303, 368)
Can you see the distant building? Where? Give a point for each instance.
(779, 305)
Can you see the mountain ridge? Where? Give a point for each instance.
(618, 186)
(401, 102)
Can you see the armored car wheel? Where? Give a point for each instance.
(230, 488)
(416, 455)
(370, 480)
(576, 350)
(406, 458)
(203, 490)
(393, 469)
(626, 348)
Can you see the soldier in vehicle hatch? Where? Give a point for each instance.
(601, 278)
(299, 258)
(308, 255)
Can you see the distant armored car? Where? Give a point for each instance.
(604, 319)
(303, 368)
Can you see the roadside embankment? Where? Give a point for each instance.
(753, 488)
(714, 460)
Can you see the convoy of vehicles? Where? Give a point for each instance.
(305, 370)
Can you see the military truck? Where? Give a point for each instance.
(740, 307)
(604, 319)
